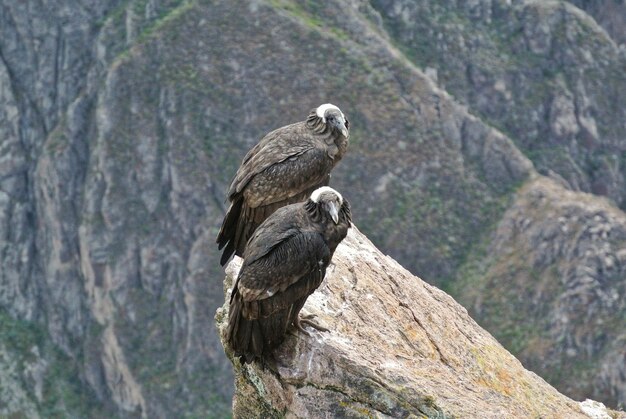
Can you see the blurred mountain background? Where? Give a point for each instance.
(487, 155)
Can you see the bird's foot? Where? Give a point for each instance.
(301, 321)
(307, 319)
(296, 328)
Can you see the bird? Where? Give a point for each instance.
(285, 167)
(285, 262)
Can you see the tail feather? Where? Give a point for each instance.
(244, 229)
(245, 336)
(226, 236)
(240, 331)
(249, 221)
(255, 328)
(228, 252)
(255, 337)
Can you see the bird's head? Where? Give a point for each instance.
(333, 118)
(328, 201)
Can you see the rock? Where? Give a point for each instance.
(595, 410)
(398, 347)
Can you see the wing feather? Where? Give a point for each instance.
(267, 157)
(283, 180)
(283, 264)
(282, 164)
(274, 230)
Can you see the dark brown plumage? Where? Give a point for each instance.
(285, 167)
(285, 261)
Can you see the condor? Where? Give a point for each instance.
(285, 261)
(285, 167)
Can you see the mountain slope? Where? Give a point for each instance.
(549, 285)
(124, 122)
(543, 72)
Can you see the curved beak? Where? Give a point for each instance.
(340, 124)
(334, 211)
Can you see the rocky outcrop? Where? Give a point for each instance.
(398, 347)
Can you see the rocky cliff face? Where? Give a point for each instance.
(562, 255)
(398, 347)
(122, 123)
(543, 72)
(98, 278)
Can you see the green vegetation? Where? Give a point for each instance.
(169, 14)
(64, 394)
(152, 349)
(144, 27)
(310, 13)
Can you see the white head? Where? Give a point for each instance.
(315, 196)
(321, 110)
(328, 199)
(333, 117)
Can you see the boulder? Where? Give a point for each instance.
(397, 347)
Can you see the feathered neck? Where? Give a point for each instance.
(316, 123)
(314, 210)
(332, 233)
(316, 213)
